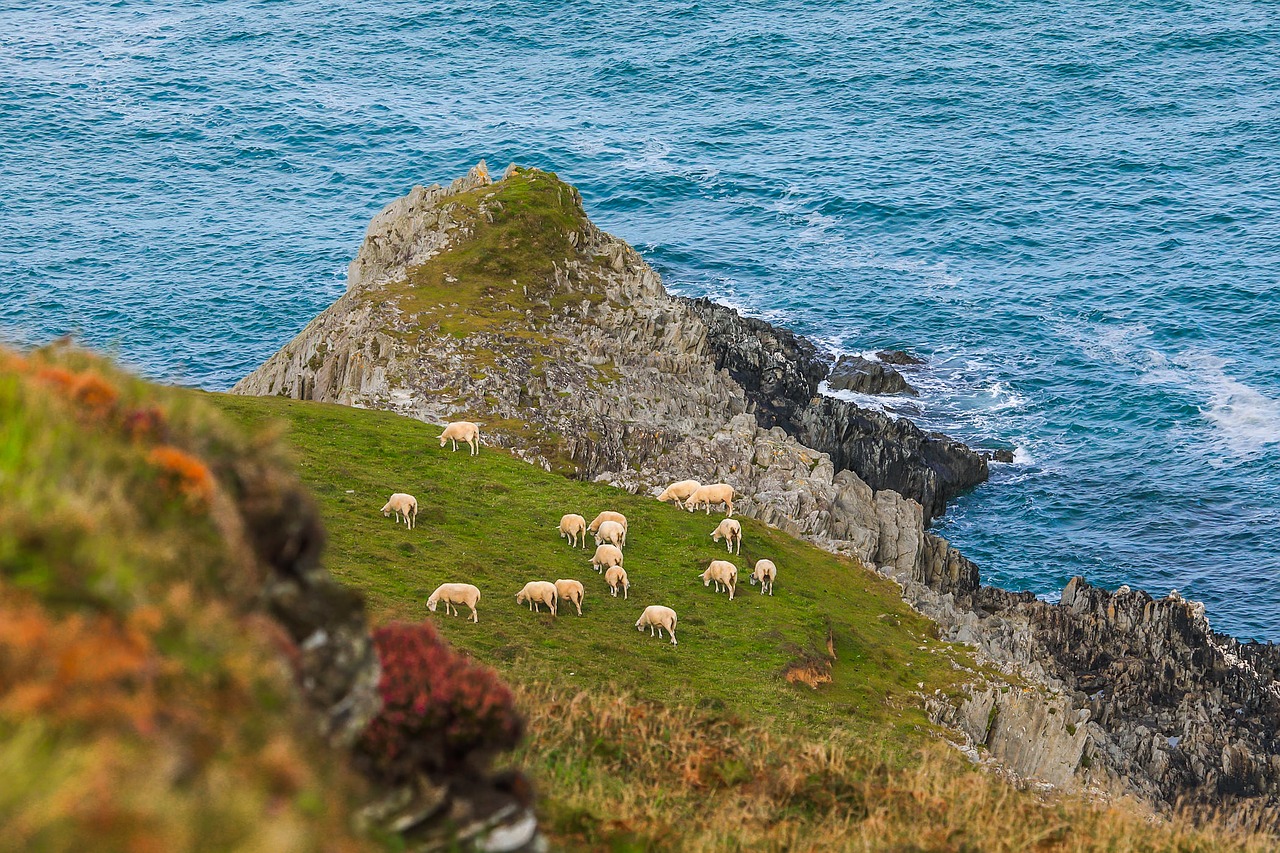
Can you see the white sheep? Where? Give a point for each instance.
(606, 555)
(574, 528)
(613, 533)
(609, 515)
(679, 492)
(716, 493)
(539, 593)
(572, 592)
(724, 574)
(402, 505)
(453, 594)
(464, 431)
(615, 577)
(730, 531)
(764, 572)
(657, 616)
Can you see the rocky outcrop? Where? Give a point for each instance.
(779, 372)
(501, 302)
(864, 376)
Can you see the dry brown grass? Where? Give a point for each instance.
(623, 774)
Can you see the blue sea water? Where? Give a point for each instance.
(1072, 209)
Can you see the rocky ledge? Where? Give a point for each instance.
(502, 303)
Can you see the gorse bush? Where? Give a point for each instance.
(440, 711)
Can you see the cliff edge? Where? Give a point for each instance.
(500, 302)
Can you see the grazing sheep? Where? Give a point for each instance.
(730, 531)
(716, 493)
(453, 594)
(464, 431)
(402, 505)
(613, 533)
(616, 577)
(679, 492)
(606, 556)
(574, 528)
(764, 572)
(572, 592)
(608, 515)
(538, 593)
(657, 616)
(723, 574)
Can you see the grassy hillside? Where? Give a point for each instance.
(491, 520)
(638, 745)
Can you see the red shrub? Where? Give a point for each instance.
(438, 707)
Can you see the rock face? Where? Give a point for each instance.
(500, 302)
(855, 373)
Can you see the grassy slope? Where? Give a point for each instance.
(491, 519)
(637, 745)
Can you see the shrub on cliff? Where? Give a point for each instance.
(440, 711)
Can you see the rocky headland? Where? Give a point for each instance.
(499, 301)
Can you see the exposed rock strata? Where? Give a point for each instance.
(598, 369)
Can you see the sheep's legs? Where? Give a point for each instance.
(475, 617)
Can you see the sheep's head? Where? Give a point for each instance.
(443, 440)
(431, 603)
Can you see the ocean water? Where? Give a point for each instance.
(1071, 209)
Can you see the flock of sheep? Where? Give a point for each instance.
(610, 532)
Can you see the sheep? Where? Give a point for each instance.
(764, 572)
(716, 493)
(730, 531)
(574, 528)
(724, 574)
(402, 505)
(572, 592)
(464, 431)
(606, 556)
(537, 593)
(455, 594)
(657, 616)
(679, 492)
(613, 533)
(608, 515)
(616, 577)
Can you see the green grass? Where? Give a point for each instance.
(511, 235)
(491, 520)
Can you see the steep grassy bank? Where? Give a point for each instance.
(491, 520)
(637, 745)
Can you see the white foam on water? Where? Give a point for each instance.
(865, 401)
(1244, 420)
(655, 158)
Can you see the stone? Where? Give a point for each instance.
(855, 373)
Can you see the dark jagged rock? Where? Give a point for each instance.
(898, 357)
(778, 369)
(1150, 695)
(892, 454)
(864, 376)
(1005, 456)
(780, 372)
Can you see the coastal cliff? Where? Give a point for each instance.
(500, 302)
